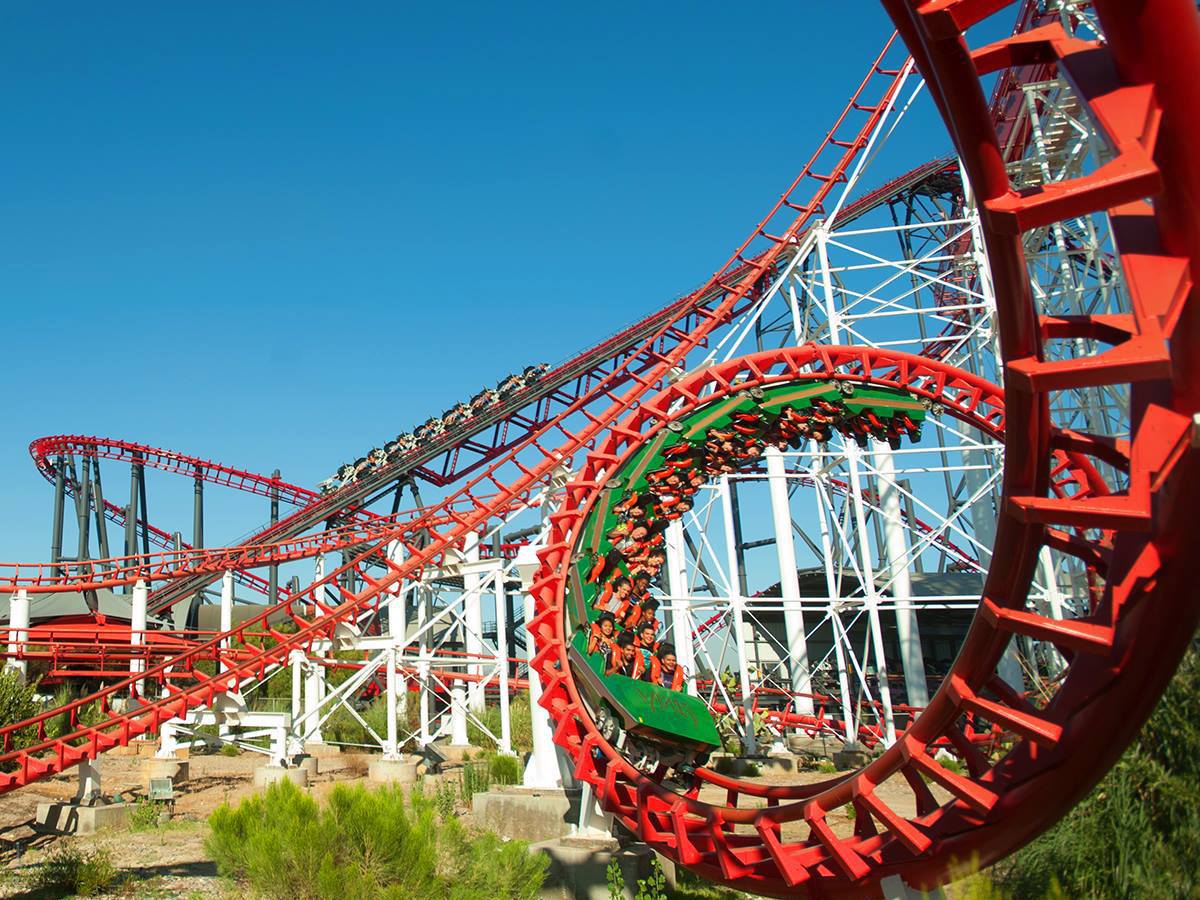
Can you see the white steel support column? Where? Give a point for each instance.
(677, 586)
(737, 604)
(870, 594)
(1052, 606)
(296, 659)
(391, 748)
(398, 624)
(831, 588)
(458, 714)
(423, 664)
(864, 543)
(983, 520)
(226, 625)
(397, 687)
(18, 632)
(473, 620)
(137, 630)
(88, 790)
(789, 584)
(314, 681)
(501, 597)
(907, 629)
(543, 769)
(226, 612)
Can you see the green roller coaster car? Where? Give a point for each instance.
(657, 726)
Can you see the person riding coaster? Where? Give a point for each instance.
(509, 385)
(602, 635)
(664, 669)
(624, 658)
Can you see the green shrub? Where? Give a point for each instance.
(1136, 834)
(230, 750)
(16, 704)
(444, 800)
(475, 779)
(615, 879)
(69, 870)
(144, 815)
(504, 769)
(364, 844)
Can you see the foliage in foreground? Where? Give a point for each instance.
(70, 871)
(17, 703)
(365, 844)
(1137, 833)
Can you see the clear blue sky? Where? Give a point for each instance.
(272, 233)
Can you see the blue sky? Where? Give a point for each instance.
(271, 233)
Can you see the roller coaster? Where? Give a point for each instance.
(1030, 362)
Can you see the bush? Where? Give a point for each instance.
(475, 779)
(504, 769)
(520, 723)
(1136, 834)
(364, 844)
(69, 870)
(145, 815)
(16, 704)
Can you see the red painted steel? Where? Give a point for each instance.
(1138, 541)
(638, 372)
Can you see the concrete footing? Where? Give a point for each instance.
(321, 751)
(308, 764)
(527, 814)
(777, 764)
(76, 818)
(579, 867)
(267, 775)
(853, 755)
(816, 748)
(393, 771)
(165, 767)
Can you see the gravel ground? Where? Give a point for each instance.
(169, 861)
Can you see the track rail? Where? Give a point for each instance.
(641, 370)
(1138, 543)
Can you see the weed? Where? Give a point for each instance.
(476, 778)
(144, 815)
(444, 800)
(16, 704)
(653, 887)
(826, 767)
(504, 769)
(69, 870)
(365, 844)
(230, 750)
(615, 880)
(1135, 834)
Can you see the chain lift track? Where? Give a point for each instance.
(1135, 540)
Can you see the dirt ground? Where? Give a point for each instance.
(166, 861)
(169, 860)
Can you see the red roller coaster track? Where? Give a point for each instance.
(1136, 541)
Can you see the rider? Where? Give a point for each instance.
(602, 634)
(665, 670)
(624, 658)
